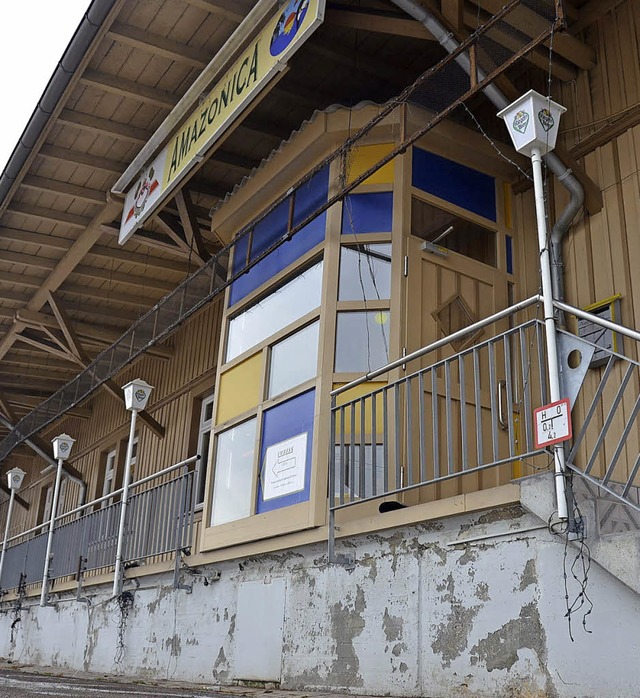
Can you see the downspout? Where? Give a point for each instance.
(51, 462)
(553, 162)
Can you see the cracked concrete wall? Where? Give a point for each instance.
(424, 611)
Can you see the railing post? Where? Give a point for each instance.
(332, 482)
(6, 533)
(118, 573)
(47, 556)
(550, 325)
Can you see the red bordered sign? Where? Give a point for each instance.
(552, 423)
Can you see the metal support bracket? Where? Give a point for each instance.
(346, 560)
(176, 570)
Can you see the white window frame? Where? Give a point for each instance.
(202, 465)
(110, 469)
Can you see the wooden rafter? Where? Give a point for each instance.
(153, 240)
(120, 277)
(29, 260)
(22, 502)
(94, 196)
(136, 300)
(226, 8)
(48, 214)
(138, 258)
(190, 224)
(159, 45)
(29, 403)
(27, 236)
(97, 124)
(9, 277)
(382, 22)
(130, 89)
(76, 157)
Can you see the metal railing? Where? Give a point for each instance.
(473, 411)
(159, 521)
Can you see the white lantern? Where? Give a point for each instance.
(136, 394)
(15, 476)
(533, 122)
(62, 446)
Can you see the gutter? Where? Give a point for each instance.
(553, 162)
(70, 62)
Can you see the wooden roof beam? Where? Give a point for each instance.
(96, 124)
(158, 241)
(28, 260)
(30, 403)
(531, 24)
(190, 224)
(75, 157)
(171, 228)
(90, 334)
(122, 278)
(241, 162)
(40, 239)
(129, 89)
(105, 294)
(22, 502)
(380, 22)
(8, 277)
(225, 8)
(48, 214)
(138, 258)
(159, 45)
(94, 196)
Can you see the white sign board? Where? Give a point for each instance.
(284, 467)
(552, 423)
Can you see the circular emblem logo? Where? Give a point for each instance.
(288, 25)
(140, 395)
(16, 478)
(521, 121)
(64, 447)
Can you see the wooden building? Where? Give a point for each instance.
(310, 196)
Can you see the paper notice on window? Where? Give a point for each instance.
(284, 467)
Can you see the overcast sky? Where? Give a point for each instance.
(33, 37)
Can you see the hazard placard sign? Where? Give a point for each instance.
(552, 423)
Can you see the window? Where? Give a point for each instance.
(365, 273)
(362, 341)
(233, 481)
(453, 232)
(204, 439)
(294, 360)
(291, 301)
(109, 483)
(360, 480)
(46, 503)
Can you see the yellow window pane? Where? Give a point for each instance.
(362, 390)
(361, 159)
(239, 388)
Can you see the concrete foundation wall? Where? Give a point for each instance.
(422, 613)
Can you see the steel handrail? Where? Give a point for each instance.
(584, 315)
(500, 315)
(105, 497)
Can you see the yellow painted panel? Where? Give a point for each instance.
(361, 159)
(239, 389)
(357, 392)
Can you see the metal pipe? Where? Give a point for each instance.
(117, 573)
(6, 532)
(550, 325)
(553, 162)
(52, 521)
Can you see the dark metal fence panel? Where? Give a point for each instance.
(25, 558)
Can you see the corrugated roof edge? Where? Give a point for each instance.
(328, 110)
(58, 83)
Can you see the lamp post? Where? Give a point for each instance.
(136, 396)
(62, 446)
(533, 122)
(15, 476)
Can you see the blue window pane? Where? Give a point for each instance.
(461, 185)
(285, 427)
(308, 198)
(367, 213)
(509, 251)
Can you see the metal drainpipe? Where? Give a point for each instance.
(52, 463)
(563, 173)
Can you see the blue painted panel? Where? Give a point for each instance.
(458, 184)
(283, 422)
(509, 253)
(367, 213)
(273, 227)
